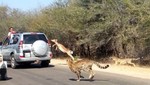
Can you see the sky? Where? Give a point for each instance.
(26, 5)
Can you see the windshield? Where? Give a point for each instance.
(30, 39)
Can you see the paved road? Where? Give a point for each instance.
(61, 75)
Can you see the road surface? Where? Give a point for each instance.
(61, 75)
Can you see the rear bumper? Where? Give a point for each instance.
(33, 59)
(30, 57)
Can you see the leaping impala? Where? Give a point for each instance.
(62, 48)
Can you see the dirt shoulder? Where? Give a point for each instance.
(140, 72)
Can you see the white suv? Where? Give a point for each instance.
(27, 48)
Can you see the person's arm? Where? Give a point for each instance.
(9, 34)
(13, 32)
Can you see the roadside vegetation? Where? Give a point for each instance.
(93, 29)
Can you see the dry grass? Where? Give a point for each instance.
(141, 72)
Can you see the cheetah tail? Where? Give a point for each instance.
(102, 67)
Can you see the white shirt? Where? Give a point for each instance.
(10, 35)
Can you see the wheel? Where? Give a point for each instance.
(45, 63)
(3, 74)
(13, 62)
(39, 48)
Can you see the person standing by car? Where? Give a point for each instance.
(10, 34)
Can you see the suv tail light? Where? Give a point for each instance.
(49, 43)
(51, 55)
(21, 56)
(21, 44)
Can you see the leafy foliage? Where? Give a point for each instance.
(91, 28)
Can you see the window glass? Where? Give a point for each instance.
(30, 39)
(6, 42)
(15, 40)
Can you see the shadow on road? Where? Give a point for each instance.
(8, 78)
(32, 66)
(72, 79)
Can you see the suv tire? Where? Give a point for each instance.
(39, 48)
(3, 73)
(45, 63)
(13, 62)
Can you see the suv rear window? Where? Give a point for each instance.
(31, 38)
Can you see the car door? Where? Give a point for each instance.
(5, 47)
(9, 48)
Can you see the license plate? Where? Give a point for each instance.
(27, 55)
